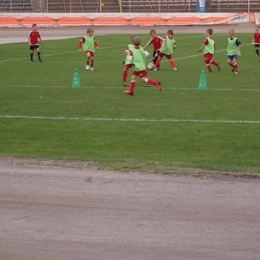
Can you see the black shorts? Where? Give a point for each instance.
(34, 47)
(156, 53)
(257, 45)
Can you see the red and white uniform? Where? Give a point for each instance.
(34, 37)
(208, 56)
(257, 37)
(156, 41)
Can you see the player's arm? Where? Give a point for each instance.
(29, 38)
(126, 53)
(253, 40)
(163, 44)
(95, 43)
(201, 47)
(80, 43)
(146, 54)
(215, 48)
(174, 46)
(131, 56)
(148, 43)
(239, 44)
(40, 39)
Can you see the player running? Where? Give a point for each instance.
(256, 40)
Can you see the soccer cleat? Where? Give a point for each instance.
(31, 60)
(146, 85)
(155, 69)
(92, 68)
(128, 92)
(40, 60)
(87, 67)
(233, 70)
(158, 68)
(236, 72)
(123, 84)
(175, 69)
(218, 66)
(158, 85)
(209, 70)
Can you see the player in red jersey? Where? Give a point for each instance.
(256, 40)
(33, 40)
(157, 42)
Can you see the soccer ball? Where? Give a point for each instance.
(150, 66)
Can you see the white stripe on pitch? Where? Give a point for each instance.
(90, 87)
(133, 119)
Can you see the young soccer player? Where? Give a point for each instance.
(128, 63)
(233, 50)
(89, 45)
(34, 39)
(209, 49)
(256, 40)
(166, 50)
(138, 56)
(157, 42)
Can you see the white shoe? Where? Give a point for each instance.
(87, 67)
(155, 69)
(92, 68)
(175, 69)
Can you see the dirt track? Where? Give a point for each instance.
(52, 213)
(66, 213)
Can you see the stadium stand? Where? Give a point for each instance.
(73, 6)
(16, 6)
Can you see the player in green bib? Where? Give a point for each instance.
(166, 50)
(128, 63)
(137, 55)
(209, 49)
(233, 50)
(89, 44)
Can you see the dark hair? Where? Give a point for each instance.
(137, 41)
(210, 31)
(170, 32)
(152, 31)
(90, 30)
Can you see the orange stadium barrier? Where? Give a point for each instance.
(9, 21)
(110, 21)
(74, 21)
(146, 21)
(178, 19)
(40, 21)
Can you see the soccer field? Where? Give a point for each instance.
(217, 129)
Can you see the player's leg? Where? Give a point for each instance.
(207, 59)
(124, 76)
(157, 64)
(31, 53)
(130, 91)
(169, 57)
(230, 63)
(146, 80)
(235, 66)
(156, 56)
(92, 63)
(88, 59)
(39, 53)
(257, 50)
(214, 62)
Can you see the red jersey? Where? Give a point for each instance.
(156, 41)
(34, 37)
(257, 37)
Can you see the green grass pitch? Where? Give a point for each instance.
(44, 90)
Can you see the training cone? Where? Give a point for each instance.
(203, 81)
(76, 80)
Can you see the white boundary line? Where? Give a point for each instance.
(213, 89)
(110, 47)
(133, 119)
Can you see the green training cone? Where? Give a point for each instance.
(203, 81)
(76, 80)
